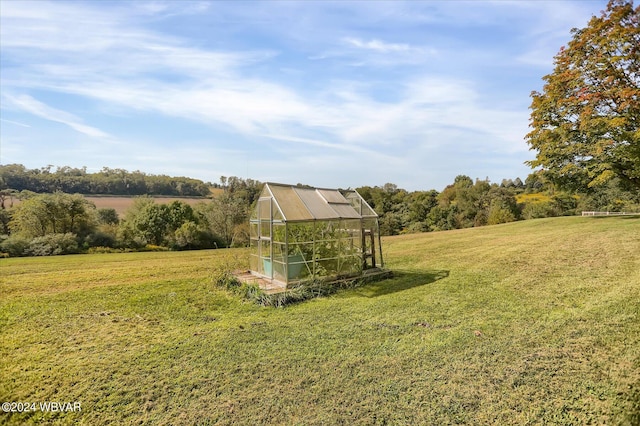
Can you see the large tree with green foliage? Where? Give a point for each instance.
(226, 217)
(57, 213)
(586, 120)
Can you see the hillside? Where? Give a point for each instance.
(107, 181)
(524, 323)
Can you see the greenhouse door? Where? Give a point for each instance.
(368, 249)
(265, 249)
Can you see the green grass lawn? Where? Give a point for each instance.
(534, 322)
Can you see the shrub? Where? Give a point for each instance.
(153, 247)
(499, 215)
(53, 244)
(564, 204)
(108, 216)
(538, 209)
(224, 278)
(416, 227)
(14, 245)
(103, 250)
(100, 239)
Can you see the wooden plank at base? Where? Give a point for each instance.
(266, 285)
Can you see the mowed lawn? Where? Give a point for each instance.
(535, 322)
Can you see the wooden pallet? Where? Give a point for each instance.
(266, 285)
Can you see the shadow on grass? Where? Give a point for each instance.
(402, 280)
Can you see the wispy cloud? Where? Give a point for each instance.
(14, 122)
(37, 108)
(378, 46)
(422, 89)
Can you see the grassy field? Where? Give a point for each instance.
(534, 322)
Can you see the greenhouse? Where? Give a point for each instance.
(302, 233)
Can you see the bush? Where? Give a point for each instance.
(153, 247)
(538, 209)
(53, 244)
(499, 215)
(565, 204)
(416, 227)
(108, 216)
(14, 245)
(100, 239)
(103, 250)
(190, 236)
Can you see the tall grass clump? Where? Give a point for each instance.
(309, 289)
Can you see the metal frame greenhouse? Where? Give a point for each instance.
(302, 233)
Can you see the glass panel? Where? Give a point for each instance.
(297, 267)
(357, 241)
(360, 205)
(317, 206)
(279, 232)
(254, 263)
(292, 207)
(353, 225)
(301, 232)
(265, 254)
(279, 270)
(326, 267)
(253, 230)
(276, 213)
(254, 257)
(354, 200)
(344, 210)
(370, 223)
(351, 265)
(264, 208)
(303, 250)
(366, 210)
(278, 251)
(332, 196)
(265, 229)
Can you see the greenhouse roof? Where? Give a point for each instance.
(303, 203)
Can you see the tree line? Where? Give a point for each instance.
(585, 132)
(467, 203)
(107, 181)
(61, 223)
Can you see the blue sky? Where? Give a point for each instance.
(331, 94)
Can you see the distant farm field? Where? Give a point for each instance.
(534, 322)
(122, 204)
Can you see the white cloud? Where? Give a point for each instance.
(405, 106)
(17, 123)
(37, 108)
(378, 45)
